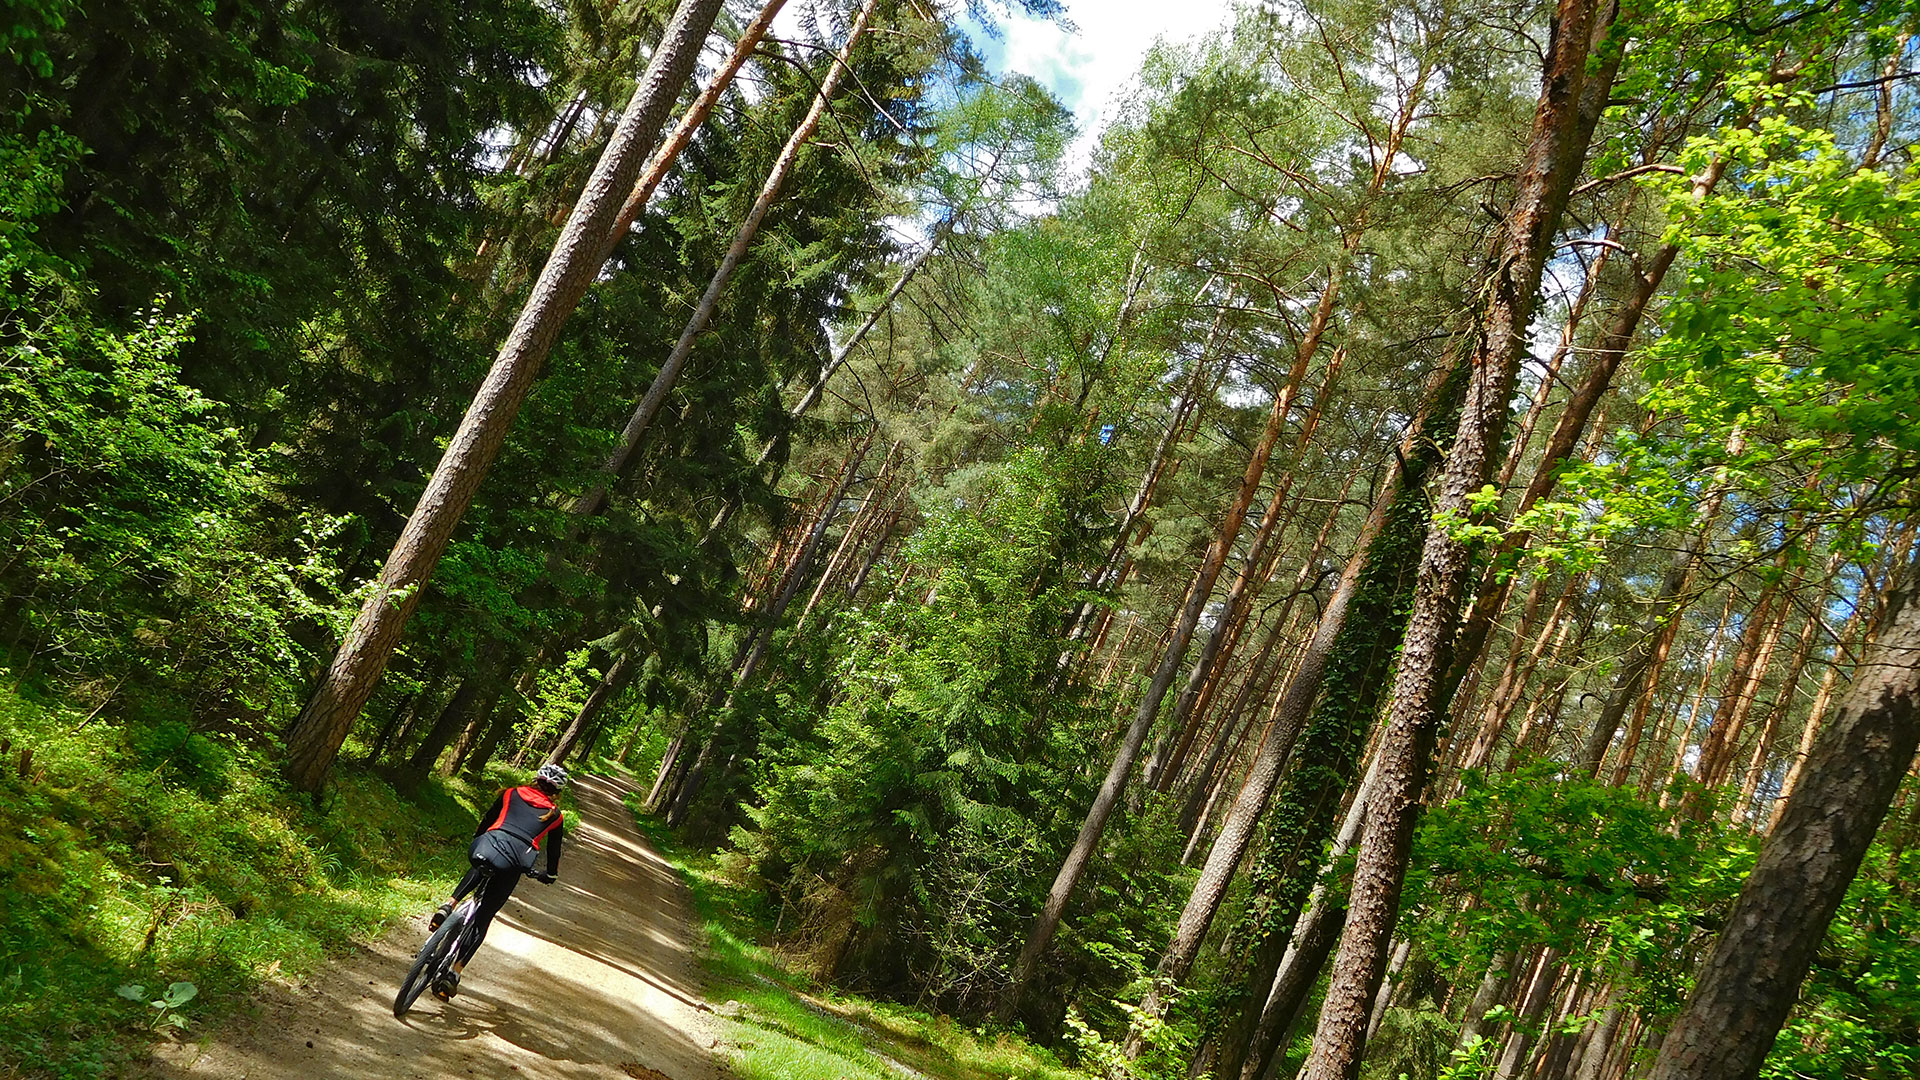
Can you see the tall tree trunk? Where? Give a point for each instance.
(469, 737)
(1532, 1007)
(1322, 770)
(661, 163)
(1783, 698)
(1866, 615)
(1601, 367)
(1494, 986)
(1253, 573)
(648, 407)
(1257, 685)
(1346, 642)
(1570, 103)
(768, 621)
(1310, 945)
(582, 249)
(856, 529)
(1758, 638)
(1188, 620)
(603, 692)
(1519, 667)
(1746, 987)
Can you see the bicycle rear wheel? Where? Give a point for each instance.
(427, 964)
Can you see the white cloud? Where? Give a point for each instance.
(1087, 68)
(1090, 67)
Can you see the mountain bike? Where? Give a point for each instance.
(443, 946)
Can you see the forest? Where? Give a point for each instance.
(1397, 565)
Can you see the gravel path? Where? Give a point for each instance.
(593, 976)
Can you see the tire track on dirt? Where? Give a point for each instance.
(593, 976)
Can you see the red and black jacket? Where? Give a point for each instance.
(527, 814)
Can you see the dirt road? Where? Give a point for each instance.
(593, 976)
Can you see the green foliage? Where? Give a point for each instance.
(779, 1026)
(1859, 1012)
(1602, 873)
(156, 855)
(137, 519)
(1792, 341)
(1413, 1044)
(167, 1006)
(924, 801)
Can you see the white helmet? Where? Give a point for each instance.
(552, 774)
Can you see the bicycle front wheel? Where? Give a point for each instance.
(439, 944)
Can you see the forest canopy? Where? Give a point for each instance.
(1399, 566)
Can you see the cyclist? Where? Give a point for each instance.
(517, 822)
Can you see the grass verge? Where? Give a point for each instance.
(151, 854)
(778, 1027)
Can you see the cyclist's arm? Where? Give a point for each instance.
(553, 848)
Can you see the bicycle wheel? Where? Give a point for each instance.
(427, 964)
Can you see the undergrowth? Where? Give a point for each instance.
(152, 853)
(779, 1027)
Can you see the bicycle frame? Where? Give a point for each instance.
(444, 946)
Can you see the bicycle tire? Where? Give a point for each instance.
(428, 961)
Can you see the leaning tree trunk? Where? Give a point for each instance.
(1184, 626)
(1562, 130)
(1744, 990)
(1417, 456)
(682, 797)
(1310, 946)
(1303, 816)
(1608, 352)
(656, 394)
(603, 692)
(1290, 714)
(582, 249)
(663, 158)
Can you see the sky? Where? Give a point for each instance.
(1087, 67)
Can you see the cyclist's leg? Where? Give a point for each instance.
(460, 891)
(467, 883)
(492, 898)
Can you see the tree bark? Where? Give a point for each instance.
(669, 151)
(1309, 948)
(582, 249)
(650, 402)
(1075, 864)
(1746, 987)
(604, 691)
(1419, 453)
(1532, 1005)
(1570, 103)
(1608, 352)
